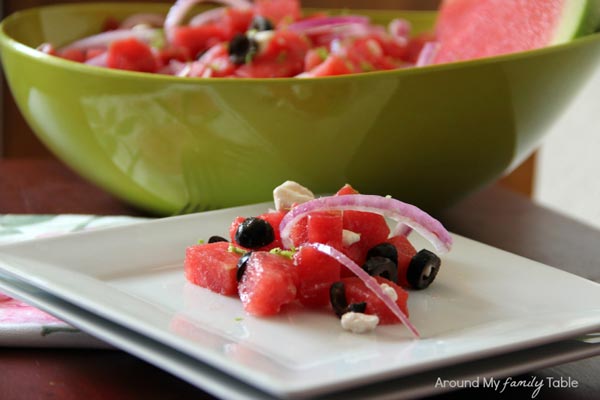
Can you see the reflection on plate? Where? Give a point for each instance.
(485, 302)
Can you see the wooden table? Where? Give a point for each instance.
(494, 216)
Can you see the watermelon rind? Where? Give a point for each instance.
(579, 18)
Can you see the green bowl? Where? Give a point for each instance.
(171, 145)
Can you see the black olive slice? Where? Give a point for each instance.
(337, 297)
(253, 233)
(423, 269)
(386, 250)
(382, 266)
(357, 307)
(241, 48)
(241, 265)
(260, 23)
(216, 239)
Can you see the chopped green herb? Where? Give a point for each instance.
(158, 41)
(322, 53)
(284, 253)
(200, 241)
(233, 249)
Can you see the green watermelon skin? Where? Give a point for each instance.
(471, 29)
(586, 20)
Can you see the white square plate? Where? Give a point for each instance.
(224, 386)
(484, 302)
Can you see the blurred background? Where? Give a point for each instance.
(564, 174)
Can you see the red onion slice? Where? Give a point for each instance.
(46, 48)
(400, 28)
(369, 281)
(427, 54)
(103, 39)
(99, 61)
(403, 213)
(319, 22)
(154, 20)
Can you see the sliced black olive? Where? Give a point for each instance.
(260, 23)
(241, 265)
(254, 232)
(386, 250)
(216, 239)
(381, 266)
(241, 48)
(337, 297)
(423, 269)
(357, 307)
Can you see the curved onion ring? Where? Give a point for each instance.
(181, 7)
(103, 39)
(321, 22)
(399, 28)
(154, 20)
(427, 54)
(98, 61)
(368, 280)
(403, 213)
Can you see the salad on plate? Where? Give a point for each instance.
(333, 253)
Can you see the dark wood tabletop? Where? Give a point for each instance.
(494, 216)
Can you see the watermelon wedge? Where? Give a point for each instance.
(468, 29)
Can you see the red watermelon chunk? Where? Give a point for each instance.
(346, 189)
(357, 292)
(325, 227)
(373, 230)
(131, 55)
(406, 252)
(269, 282)
(274, 219)
(299, 233)
(280, 12)
(213, 267)
(197, 39)
(316, 273)
(468, 29)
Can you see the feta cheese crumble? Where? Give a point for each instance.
(389, 291)
(290, 193)
(356, 322)
(349, 237)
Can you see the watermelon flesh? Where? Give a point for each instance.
(269, 283)
(469, 29)
(357, 292)
(213, 267)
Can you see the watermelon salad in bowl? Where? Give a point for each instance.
(181, 107)
(333, 253)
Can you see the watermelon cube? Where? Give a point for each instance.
(213, 267)
(316, 272)
(373, 230)
(269, 282)
(357, 292)
(325, 227)
(406, 252)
